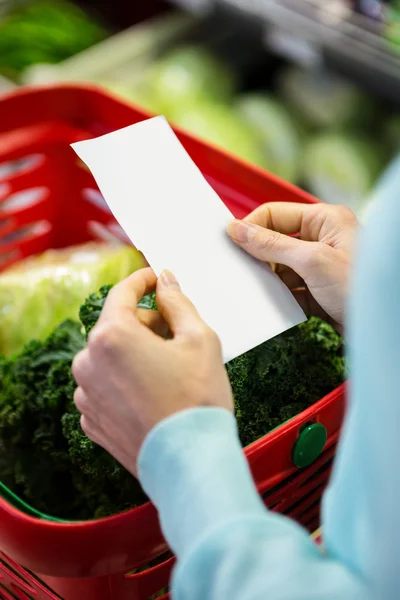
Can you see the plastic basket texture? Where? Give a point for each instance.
(48, 199)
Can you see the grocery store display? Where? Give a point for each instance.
(187, 76)
(312, 128)
(50, 463)
(223, 126)
(341, 167)
(280, 134)
(135, 93)
(44, 31)
(319, 98)
(275, 123)
(41, 291)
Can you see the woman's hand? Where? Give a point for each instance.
(315, 264)
(130, 379)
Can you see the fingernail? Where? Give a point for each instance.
(241, 231)
(169, 280)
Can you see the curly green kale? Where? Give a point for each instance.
(149, 302)
(47, 459)
(91, 309)
(45, 456)
(285, 375)
(35, 389)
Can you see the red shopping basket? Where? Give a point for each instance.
(49, 199)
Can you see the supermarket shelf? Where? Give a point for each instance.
(321, 30)
(195, 6)
(354, 42)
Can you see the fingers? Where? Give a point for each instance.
(284, 217)
(333, 224)
(80, 400)
(90, 429)
(80, 367)
(289, 277)
(154, 321)
(274, 247)
(125, 296)
(177, 310)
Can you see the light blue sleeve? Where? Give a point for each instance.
(361, 507)
(228, 545)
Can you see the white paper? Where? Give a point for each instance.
(171, 213)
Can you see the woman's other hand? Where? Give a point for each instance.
(315, 263)
(130, 378)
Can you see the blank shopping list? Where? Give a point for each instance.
(170, 212)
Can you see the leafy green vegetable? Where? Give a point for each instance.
(341, 168)
(44, 31)
(47, 459)
(320, 98)
(187, 76)
(284, 376)
(46, 289)
(90, 310)
(279, 134)
(224, 127)
(36, 388)
(149, 302)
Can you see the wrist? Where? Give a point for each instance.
(193, 468)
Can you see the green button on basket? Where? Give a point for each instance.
(309, 445)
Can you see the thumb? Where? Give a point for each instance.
(273, 247)
(177, 310)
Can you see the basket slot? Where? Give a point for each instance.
(297, 510)
(13, 169)
(157, 596)
(5, 595)
(4, 190)
(313, 523)
(22, 584)
(102, 232)
(6, 226)
(25, 241)
(17, 237)
(303, 490)
(152, 581)
(22, 210)
(119, 233)
(23, 200)
(20, 594)
(9, 258)
(289, 486)
(94, 197)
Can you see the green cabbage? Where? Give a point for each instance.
(223, 127)
(187, 76)
(137, 94)
(341, 169)
(278, 133)
(40, 292)
(320, 98)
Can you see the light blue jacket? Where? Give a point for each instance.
(229, 547)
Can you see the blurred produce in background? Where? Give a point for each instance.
(45, 31)
(307, 125)
(310, 127)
